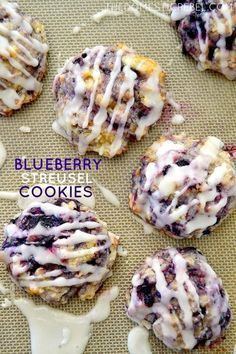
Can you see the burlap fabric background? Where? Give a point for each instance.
(209, 106)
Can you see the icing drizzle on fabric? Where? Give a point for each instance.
(68, 333)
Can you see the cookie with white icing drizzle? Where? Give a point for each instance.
(207, 29)
(184, 186)
(177, 294)
(59, 249)
(23, 57)
(106, 97)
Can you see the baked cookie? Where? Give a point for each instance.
(106, 97)
(207, 29)
(23, 58)
(56, 250)
(177, 294)
(184, 186)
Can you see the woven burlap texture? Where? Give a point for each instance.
(209, 106)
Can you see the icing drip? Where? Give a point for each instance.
(134, 11)
(76, 29)
(147, 228)
(9, 195)
(176, 181)
(172, 102)
(58, 129)
(177, 119)
(3, 290)
(16, 50)
(162, 16)
(122, 252)
(58, 332)
(138, 341)
(106, 13)
(3, 154)
(25, 129)
(61, 252)
(69, 114)
(6, 303)
(108, 195)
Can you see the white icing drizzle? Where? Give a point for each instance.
(179, 12)
(170, 99)
(3, 154)
(76, 29)
(6, 303)
(20, 58)
(67, 114)
(122, 252)
(134, 11)
(9, 96)
(58, 129)
(138, 341)
(25, 129)
(204, 44)
(177, 119)
(162, 16)
(60, 253)
(58, 332)
(108, 195)
(170, 63)
(3, 289)
(98, 17)
(59, 65)
(13, 196)
(101, 116)
(225, 28)
(151, 101)
(127, 85)
(147, 228)
(167, 327)
(174, 182)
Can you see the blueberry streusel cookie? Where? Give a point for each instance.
(184, 186)
(106, 97)
(207, 29)
(23, 58)
(56, 250)
(177, 294)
